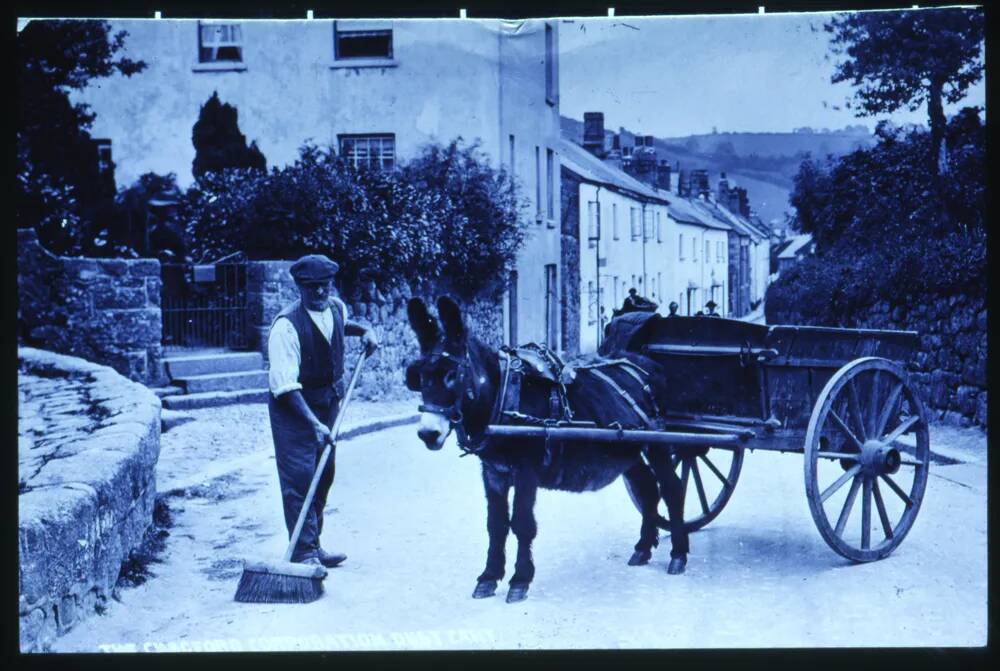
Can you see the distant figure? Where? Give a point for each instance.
(673, 308)
(711, 305)
(636, 303)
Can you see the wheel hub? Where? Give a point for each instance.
(879, 458)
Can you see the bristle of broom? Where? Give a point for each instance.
(258, 587)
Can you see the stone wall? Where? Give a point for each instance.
(270, 287)
(385, 312)
(950, 366)
(88, 443)
(103, 310)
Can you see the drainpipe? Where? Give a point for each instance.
(597, 266)
(643, 228)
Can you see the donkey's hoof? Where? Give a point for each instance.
(676, 566)
(517, 592)
(484, 589)
(640, 558)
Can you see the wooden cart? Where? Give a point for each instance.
(839, 397)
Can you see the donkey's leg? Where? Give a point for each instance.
(523, 524)
(641, 485)
(497, 486)
(673, 495)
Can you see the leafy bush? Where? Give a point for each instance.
(446, 216)
(886, 226)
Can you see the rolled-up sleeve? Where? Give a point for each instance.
(284, 357)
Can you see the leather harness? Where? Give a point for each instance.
(535, 361)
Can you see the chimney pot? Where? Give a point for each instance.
(593, 132)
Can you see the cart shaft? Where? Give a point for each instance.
(615, 435)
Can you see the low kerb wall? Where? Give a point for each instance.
(88, 442)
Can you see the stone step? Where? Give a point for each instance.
(205, 364)
(170, 390)
(251, 379)
(211, 399)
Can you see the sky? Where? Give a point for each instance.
(676, 76)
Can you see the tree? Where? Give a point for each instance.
(905, 59)
(218, 142)
(61, 188)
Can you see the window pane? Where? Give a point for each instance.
(377, 152)
(364, 44)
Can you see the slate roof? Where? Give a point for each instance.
(794, 246)
(594, 170)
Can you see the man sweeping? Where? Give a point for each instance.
(306, 353)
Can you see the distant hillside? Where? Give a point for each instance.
(763, 163)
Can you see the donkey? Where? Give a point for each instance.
(459, 378)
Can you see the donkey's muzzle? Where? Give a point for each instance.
(431, 438)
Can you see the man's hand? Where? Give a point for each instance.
(322, 433)
(370, 342)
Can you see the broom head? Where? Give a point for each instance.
(280, 582)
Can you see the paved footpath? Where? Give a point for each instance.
(413, 525)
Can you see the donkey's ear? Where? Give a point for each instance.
(423, 324)
(451, 319)
(413, 376)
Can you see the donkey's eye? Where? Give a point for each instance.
(449, 379)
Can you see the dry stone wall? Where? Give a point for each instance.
(88, 443)
(103, 310)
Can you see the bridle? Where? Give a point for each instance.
(467, 391)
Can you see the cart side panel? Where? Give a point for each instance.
(704, 381)
(808, 356)
(833, 347)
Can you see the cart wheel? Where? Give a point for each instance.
(868, 428)
(714, 472)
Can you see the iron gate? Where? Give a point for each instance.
(205, 305)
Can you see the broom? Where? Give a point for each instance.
(286, 581)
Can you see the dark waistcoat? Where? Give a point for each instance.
(322, 362)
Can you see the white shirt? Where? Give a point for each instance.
(284, 352)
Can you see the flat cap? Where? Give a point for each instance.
(313, 268)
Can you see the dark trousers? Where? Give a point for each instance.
(297, 454)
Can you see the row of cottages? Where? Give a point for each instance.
(630, 221)
(378, 91)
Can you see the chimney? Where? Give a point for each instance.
(723, 192)
(593, 133)
(699, 183)
(616, 142)
(649, 141)
(683, 183)
(743, 201)
(663, 176)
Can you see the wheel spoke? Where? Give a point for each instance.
(850, 473)
(846, 429)
(699, 486)
(839, 455)
(685, 471)
(725, 481)
(873, 412)
(855, 405)
(901, 429)
(880, 505)
(845, 512)
(866, 514)
(887, 410)
(899, 492)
